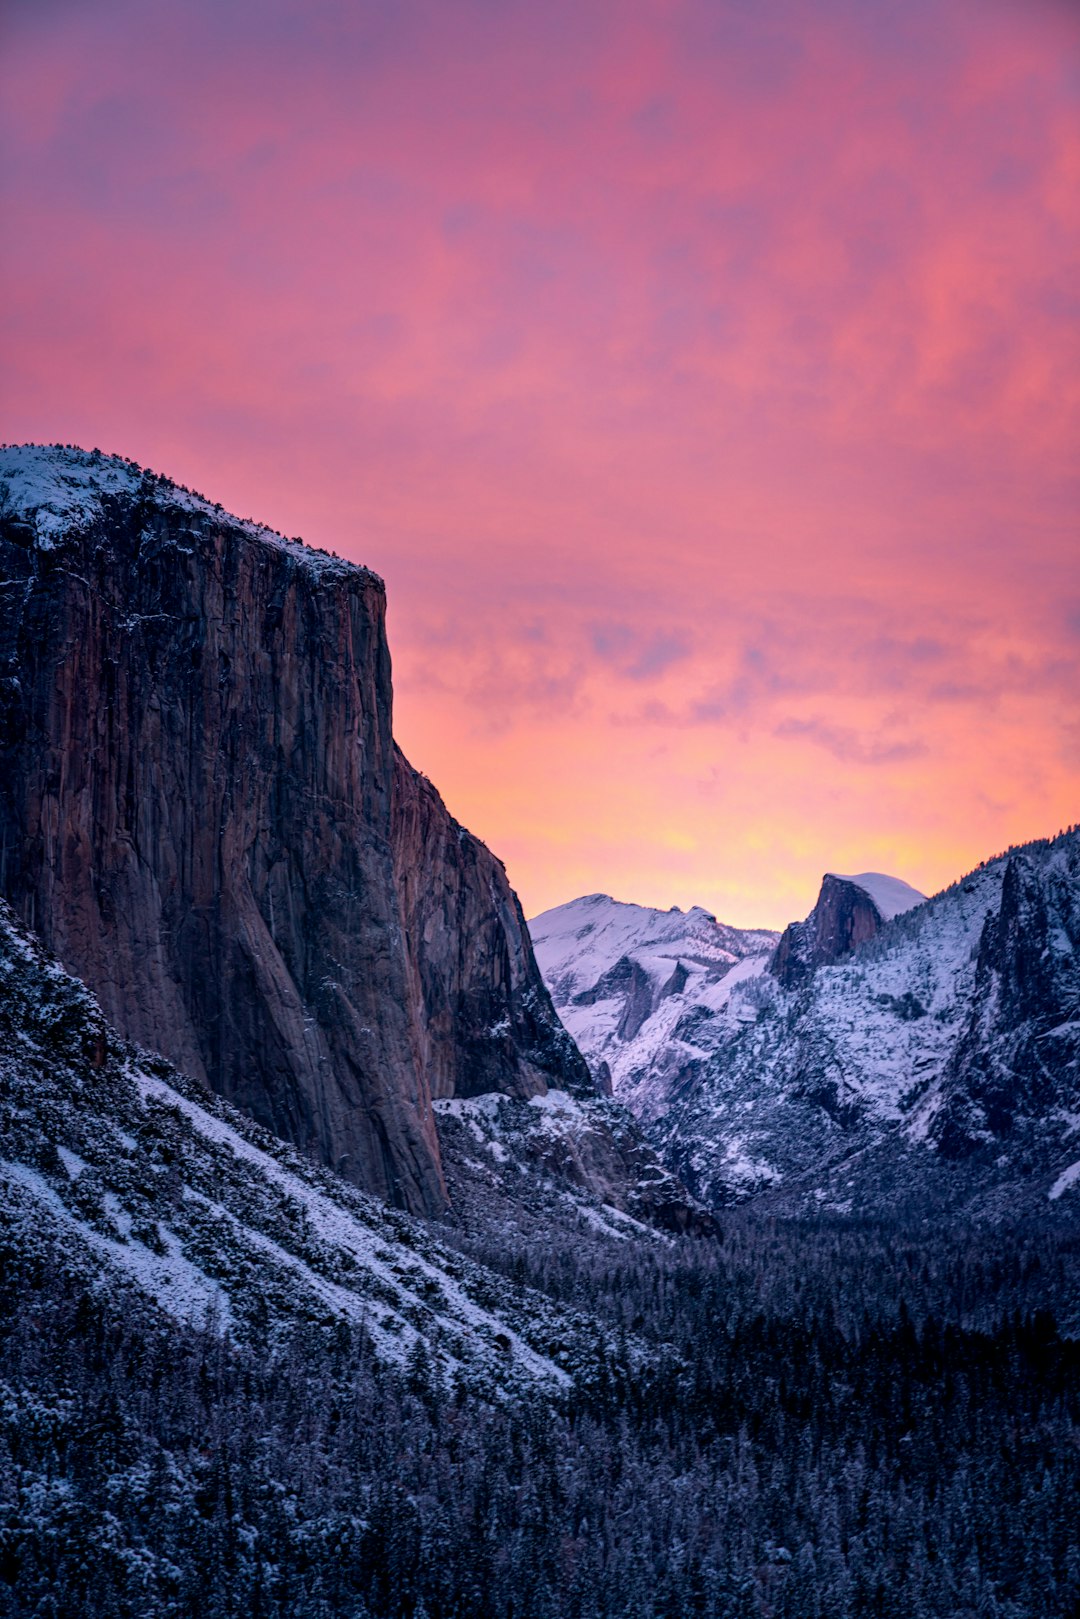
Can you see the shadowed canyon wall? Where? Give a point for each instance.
(203, 814)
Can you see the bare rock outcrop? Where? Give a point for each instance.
(204, 816)
(487, 1022)
(844, 917)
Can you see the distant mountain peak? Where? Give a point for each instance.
(892, 895)
(639, 987)
(849, 911)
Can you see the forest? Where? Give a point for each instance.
(804, 1420)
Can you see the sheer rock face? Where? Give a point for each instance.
(487, 1020)
(203, 814)
(844, 917)
(1019, 1056)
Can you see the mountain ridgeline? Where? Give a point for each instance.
(204, 815)
(889, 1051)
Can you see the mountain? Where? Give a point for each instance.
(231, 1383)
(936, 1061)
(234, 1382)
(147, 1189)
(647, 994)
(849, 911)
(204, 816)
(887, 1050)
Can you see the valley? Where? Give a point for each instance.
(366, 1251)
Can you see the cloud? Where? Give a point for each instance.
(659, 654)
(638, 651)
(700, 378)
(848, 745)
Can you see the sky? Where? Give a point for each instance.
(703, 378)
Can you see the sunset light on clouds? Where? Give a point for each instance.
(704, 380)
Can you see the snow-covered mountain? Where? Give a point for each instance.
(647, 994)
(888, 1047)
(938, 1058)
(849, 911)
(137, 1181)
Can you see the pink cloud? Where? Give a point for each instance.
(703, 379)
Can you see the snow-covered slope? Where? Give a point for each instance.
(148, 1186)
(647, 994)
(949, 1038)
(580, 1163)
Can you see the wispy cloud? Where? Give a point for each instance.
(848, 745)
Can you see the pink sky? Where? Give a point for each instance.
(703, 379)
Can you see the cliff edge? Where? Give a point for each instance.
(203, 814)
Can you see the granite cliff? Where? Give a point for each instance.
(486, 1023)
(204, 816)
(849, 911)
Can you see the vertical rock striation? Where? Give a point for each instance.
(203, 814)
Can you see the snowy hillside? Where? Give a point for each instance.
(146, 1186)
(647, 994)
(952, 1037)
(559, 1162)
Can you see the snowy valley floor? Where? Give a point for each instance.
(233, 1387)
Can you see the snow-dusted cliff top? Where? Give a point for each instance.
(58, 488)
(891, 895)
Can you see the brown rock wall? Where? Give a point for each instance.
(844, 917)
(203, 814)
(487, 1019)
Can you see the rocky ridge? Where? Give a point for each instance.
(936, 1063)
(204, 815)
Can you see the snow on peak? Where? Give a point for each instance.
(891, 895)
(628, 980)
(58, 488)
(587, 936)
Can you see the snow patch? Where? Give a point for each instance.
(335, 1226)
(179, 1287)
(1065, 1180)
(57, 489)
